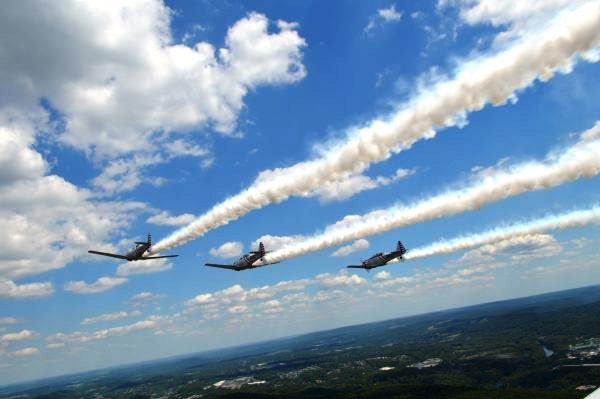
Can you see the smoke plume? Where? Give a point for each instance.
(492, 79)
(562, 221)
(580, 160)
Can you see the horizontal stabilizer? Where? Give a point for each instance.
(158, 257)
(108, 254)
(267, 264)
(356, 267)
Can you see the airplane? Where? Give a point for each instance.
(381, 259)
(137, 253)
(247, 261)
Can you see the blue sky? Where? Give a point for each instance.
(135, 117)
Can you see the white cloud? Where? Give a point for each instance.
(26, 352)
(144, 267)
(47, 221)
(9, 289)
(523, 248)
(517, 19)
(270, 307)
(18, 336)
(8, 320)
(386, 280)
(273, 243)
(84, 337)
(109, 317)
(164, 218)
(383, 16)
(189, 35)
(117, 76)
(126, 92)
(238, 309)
(100, 285)
(357, 245)
(236, 293)
(122, 175)
(341, 279)
(299, 300)
(17, 160)
(145, 298)
(383, 275)
(390, 14)
(228, 250)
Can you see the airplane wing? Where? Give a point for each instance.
(108, 254)
(230, 267)
(356, 267)
(158, 257)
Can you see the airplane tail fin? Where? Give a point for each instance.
(261, 249)
(149, 242)
(400, 248)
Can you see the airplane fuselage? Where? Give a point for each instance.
(137, 252)
(246, 261)
(380, 259)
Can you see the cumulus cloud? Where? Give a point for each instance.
(117, 75)
(17, 160)
(26, 352)
(109, 317)
(516, 20)
(357, 245)
(47, 221)
(270, 307)
(145, 298)
(237, 294)
(383, 275)
(126, 93)
(383, 16)
(273, 243)
(522, 248)
(12, 290)
(8, 320)
(341, 279)
(228, 250)
(18, 336)
(238, 309)
(164, 218)
(144, 267)
(100, 285)
(79, 337)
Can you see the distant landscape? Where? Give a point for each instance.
(543, 346)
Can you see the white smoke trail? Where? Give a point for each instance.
(489, 79)
(562, 221)
(580, 160)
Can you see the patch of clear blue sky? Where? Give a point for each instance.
(283, 123)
